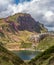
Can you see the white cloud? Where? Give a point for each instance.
(50, 28)
(41, 10)
(49, 16)
(4, 10)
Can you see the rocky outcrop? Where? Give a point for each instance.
(23, 21)
(26, 22)
(36, 38)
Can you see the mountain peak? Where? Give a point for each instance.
(21, 22)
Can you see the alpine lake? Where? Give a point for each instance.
(26, 54)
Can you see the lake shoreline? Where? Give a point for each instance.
(21, 49)
(26, 55)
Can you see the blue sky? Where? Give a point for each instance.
(40, 10)
(21, 1)
(16, 1)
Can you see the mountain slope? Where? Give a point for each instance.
(20, 22)
(45, 58)
(8, 58)
(17, 28)
(46, 43)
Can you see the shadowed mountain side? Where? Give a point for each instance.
(8, 58)
(26, 22)
(45, 58)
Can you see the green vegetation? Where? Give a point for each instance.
(8, 58)
(16, 30)
(45, 58)
(2, 34)
(14, 17)
(46, 43)
(10, 32)
(26, 45)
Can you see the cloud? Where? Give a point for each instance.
(50, 28)
(4, 8)
(49, 16)
(41, 10)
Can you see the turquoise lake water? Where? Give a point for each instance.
(26, 54)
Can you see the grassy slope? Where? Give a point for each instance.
(46, 43)
(45, 58)
(8, 58)
(22, 35)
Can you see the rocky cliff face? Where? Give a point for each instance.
(26, 22)
(21, 22)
